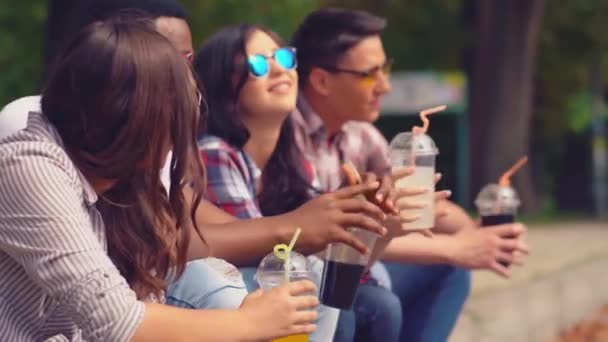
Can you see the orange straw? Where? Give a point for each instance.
(505, 179)
(425, 120)
(425, 125)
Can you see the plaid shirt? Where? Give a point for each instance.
(358, 142)
(232, 177)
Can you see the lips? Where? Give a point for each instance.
(375, 103)
(281, 86)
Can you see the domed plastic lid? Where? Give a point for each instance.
(420, 144)
(272, 268)
(496, 196)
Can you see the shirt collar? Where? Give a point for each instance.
(308, 117)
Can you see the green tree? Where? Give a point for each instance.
(21, 47)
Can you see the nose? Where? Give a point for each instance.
(275, 68)
(383, 85)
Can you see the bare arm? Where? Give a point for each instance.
(240, 242)
(264, 315)
(416, 248)
(166, 323)
(488, 248)
(452, 218)
(323, 219)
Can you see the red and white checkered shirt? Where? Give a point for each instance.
(357, 142)
(233, 176)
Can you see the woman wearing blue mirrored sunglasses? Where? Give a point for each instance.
(254, 167)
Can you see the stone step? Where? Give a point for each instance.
(564, 280)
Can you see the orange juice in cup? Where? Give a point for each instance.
(280, 267)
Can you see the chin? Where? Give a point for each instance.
(371, 117)
(280, 111)
(285, 105)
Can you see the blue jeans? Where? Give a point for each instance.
(207, 284)
(376, 316)
(328, 317)
(431, 299)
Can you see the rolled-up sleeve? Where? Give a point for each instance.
(47, 228)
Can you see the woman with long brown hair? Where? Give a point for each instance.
(88, 234)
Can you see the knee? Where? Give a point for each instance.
(207, 284)
(392, 310)
(380, 303)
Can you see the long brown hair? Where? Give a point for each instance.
(120, 96)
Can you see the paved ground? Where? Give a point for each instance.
(592, 329)
(564, 281)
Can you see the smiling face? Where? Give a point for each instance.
(272, 96)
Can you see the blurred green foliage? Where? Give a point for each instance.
(422, 35)
(573, 37)
(21, 47)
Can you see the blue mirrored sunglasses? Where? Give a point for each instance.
(260, 67)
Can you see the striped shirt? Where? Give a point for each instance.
(57, 282)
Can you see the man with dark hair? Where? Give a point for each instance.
(169, 16)
(343, 74)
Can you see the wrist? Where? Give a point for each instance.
(285, 228)
(449, 253)
(246, 323)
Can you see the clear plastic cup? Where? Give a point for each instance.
(497, 204)
(274, 271)
(419, 150)
(343, 270)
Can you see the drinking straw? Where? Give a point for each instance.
(416, 130)
(425, 121)
(283, 252)
(505, 179)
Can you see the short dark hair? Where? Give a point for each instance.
(87, 12)
(99, 10)
(326, 34)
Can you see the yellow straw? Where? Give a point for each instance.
(282, 251)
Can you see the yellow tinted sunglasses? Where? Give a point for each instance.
(368, 77)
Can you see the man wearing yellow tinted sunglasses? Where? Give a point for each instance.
(343, 74)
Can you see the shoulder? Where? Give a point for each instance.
(35, 154)
(32, 169)
(212, 143)
(218, 156)
(13, 116)
(22, 106)
(365, 131)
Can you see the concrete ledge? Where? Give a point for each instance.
(565, 280)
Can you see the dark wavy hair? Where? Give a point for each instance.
(120, 96)
(222, 57)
